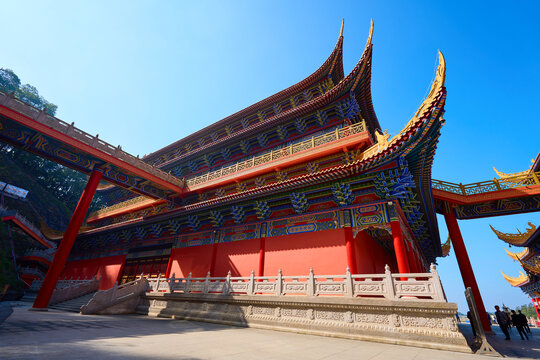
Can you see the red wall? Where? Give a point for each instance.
(240, 257)
(194, 259)
(370, 256)
(108, 268)
(294, 254)
(324, 251)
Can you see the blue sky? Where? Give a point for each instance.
(144, 74)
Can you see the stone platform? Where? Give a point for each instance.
(428, 324)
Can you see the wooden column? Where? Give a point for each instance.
(62, 253)
(536, 304)
(465, 267)
(349, 248)
(399, 248)
(261, 256)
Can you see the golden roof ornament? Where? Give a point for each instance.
(515, 239)
(516, 281)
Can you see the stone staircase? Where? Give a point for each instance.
(73, 305)
(29, 297)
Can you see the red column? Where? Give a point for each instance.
(465, 267)
(535, 304)
(399, 248)
(169, 266)
(62, 253)
(349, 247)
(261, 257)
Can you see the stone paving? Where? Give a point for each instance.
(60, 335)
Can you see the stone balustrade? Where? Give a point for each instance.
(280, 153)
(8, 212)
(74, 290)
(61, 284)
(120, 299)
(426, 286)
(406, 309)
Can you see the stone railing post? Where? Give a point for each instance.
(171, 284)
(279, 283)
(251, 286)
(436, 282)
(227, 284)
(390, 292)
(188, 284)
(349, 289)
(311, 283)
(113, 292)
(156, 287)
(206, 282)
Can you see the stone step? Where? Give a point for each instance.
(73, 305)
(29, 297)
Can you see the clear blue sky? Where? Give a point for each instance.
(144, 74)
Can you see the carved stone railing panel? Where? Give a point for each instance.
(107, 298)
(75, 290)
(389, 286)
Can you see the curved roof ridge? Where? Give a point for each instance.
(337, 91)
(519, 239)
(516, 281)
(334, 65)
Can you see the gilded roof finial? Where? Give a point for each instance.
(341, 31)
(370, 34)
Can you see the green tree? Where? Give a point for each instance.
(10, 83)
(528, 311)
(64, 184)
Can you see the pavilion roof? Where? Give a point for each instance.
(332, 68)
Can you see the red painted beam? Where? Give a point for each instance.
(66, 139)
(62, 253)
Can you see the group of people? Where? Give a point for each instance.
(519, 321)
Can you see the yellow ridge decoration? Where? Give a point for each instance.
(436, 87)
(446, 247)
(515, 239)
(518, 256)
(526, 172)
(516, 281)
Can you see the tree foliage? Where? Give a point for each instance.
(37, 174)
(528, 311)
(10, 83)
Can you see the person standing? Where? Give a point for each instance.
(518, 323)
(525, 321)
(503, 320)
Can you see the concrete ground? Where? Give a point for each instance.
(61, 335)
